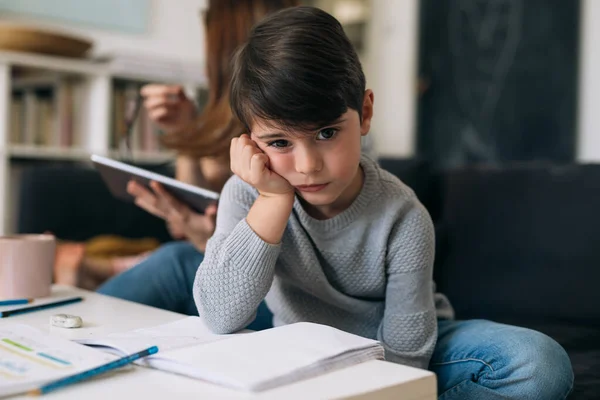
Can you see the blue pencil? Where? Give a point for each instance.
(50, 387)
(5, 314)
(15, 302)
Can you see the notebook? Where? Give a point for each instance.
(247, 361)
(30, 358)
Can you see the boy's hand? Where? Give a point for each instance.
(252, 165)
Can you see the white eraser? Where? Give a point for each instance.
(66, 321)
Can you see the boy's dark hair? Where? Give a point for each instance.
(298, 69)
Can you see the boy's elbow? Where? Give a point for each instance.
(218, 327)
(408, 342)
(219, 320)
(222, 326)
(421, 362)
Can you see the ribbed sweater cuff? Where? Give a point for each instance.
(248, 250)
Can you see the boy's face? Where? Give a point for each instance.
(323, 166)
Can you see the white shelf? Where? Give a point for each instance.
(78, 154)
(149, 77)
(95, 112)
(88, 67)
(59, 64)
(45, 152)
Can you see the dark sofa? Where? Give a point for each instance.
(517, 244)
(520, 244)
(72, 202)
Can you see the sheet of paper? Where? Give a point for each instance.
(273, 357)
(186, 332)
(29, 358)
(254, 361)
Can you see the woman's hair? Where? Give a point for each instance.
(227, 25)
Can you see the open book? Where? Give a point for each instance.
(249, 361)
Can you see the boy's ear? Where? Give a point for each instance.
(367, 112)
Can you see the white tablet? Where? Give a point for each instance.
(116, 175)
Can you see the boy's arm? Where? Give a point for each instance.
(239, 263)
(409, 327)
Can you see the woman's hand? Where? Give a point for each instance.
(182, 222)
(252, 165)
(168, 106)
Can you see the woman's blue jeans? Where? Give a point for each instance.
(165, 279)
(474, 359)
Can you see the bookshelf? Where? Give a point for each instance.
(57, 109)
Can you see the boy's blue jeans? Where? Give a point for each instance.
(474, 359)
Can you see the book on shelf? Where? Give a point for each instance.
(17, 118)
(46, 111)
(145, 135)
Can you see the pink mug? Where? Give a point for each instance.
(26, 264)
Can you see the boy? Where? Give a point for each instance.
(327, 236)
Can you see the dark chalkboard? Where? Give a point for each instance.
(500, 79)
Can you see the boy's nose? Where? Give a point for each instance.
(308, 162)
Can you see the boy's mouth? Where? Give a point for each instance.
(312, 188)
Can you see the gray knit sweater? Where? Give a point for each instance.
(367, 271)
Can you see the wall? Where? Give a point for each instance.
(391, 65)
(503, 81)
(389, 62)
(588, 144)
(174, 31)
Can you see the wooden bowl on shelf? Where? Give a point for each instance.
(33, 40)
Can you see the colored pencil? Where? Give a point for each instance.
(15, 302)
(4, 314)
(69, 380)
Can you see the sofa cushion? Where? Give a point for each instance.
(586, 367)
(522, 241)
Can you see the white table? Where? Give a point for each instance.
(377, 380)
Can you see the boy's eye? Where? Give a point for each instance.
(326, 134)
(279, 144)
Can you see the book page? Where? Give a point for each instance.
(185, 332)
(266, 359)
(250, 361)
(30, 358)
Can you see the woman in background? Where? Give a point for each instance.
(165, 278)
